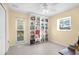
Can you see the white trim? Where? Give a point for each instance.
(20, 42)
(2, 30)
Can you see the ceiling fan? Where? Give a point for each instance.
(45, 7)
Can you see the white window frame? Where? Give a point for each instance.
(61, 19)
(20, 42)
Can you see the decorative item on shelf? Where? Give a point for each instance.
(37, 28)
(37, 31)
(46, 27)
(42, 24)
(38, 18)
(42, 20)
(42, 27)
(46, 20)
(32, 32)
(32, 27)
(33, 18)
(46, 37)
(32, 23)
(46, 31)
(37, 38)
(38, 23)
(45, 24)
(42, 39)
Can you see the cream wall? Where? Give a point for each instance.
(12, 26)
(64, 37)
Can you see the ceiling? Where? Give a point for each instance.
(46, 9)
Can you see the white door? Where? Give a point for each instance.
(2, 30)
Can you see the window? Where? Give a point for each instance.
(20, 29)
(64, 24)
(20, 24)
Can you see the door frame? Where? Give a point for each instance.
(4, 47)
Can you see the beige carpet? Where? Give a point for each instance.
(38, 49)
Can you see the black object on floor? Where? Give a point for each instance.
(32, 42)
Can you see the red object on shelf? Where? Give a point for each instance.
(37, 32)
